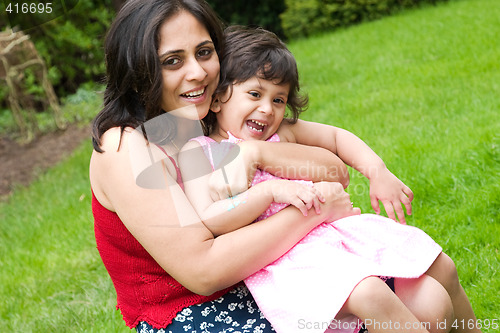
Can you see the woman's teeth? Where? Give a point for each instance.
(194, 94)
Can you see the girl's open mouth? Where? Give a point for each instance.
(256, 125)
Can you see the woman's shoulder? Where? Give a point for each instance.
(112, 139)
(113, 144)
(108, 162)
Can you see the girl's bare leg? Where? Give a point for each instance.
(427, 299)
(380, 309)
(445, 272)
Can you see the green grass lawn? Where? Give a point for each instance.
(420, 88)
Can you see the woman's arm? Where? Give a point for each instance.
(190, 253)
(384, 186)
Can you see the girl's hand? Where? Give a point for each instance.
(392, 193)
(300, 195)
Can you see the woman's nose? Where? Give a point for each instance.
(195, 71)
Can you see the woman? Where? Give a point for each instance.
(162, 56)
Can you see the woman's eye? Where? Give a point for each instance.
(204, 53)
(171, 61)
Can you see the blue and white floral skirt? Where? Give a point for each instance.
(234, 312)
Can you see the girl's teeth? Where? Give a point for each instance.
(259, 126)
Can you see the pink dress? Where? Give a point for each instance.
(304, 289)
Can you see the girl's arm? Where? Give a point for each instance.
(300, 161)
(224, 215)
(189, 252)
(282, 159)
(384, 186)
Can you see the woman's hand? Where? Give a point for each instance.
(391, 192)
(337, 203)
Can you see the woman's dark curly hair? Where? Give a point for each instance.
(134, 79)
(250, 52)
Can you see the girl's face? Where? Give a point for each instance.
(254, 110)
(190, 65)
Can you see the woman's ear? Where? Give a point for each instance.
(215, 107)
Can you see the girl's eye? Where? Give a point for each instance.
(254, 94)
(279, 101)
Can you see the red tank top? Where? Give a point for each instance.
(145, 292)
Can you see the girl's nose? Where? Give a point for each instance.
(266, 108)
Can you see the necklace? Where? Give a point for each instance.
(173, 143)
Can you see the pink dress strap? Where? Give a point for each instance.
(177, 170)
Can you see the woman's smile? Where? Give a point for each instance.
(194, 94)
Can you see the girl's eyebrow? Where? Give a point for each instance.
(182, 51)
(260, 86)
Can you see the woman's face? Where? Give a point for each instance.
(190, 65)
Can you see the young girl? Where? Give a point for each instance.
(332, 276)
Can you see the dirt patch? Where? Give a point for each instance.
(19, 164)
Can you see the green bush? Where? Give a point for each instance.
(303, 18)
(263, 13)
(80, 108)
(71, 44)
